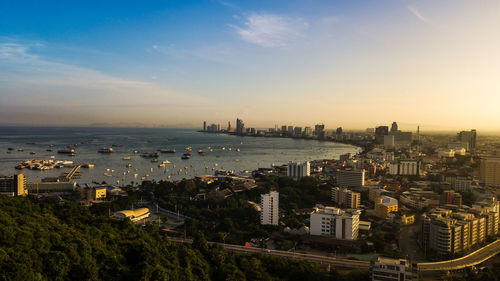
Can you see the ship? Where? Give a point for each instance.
(150, 154)
(186, 156)
(66, 151)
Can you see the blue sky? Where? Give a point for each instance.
(343, 63)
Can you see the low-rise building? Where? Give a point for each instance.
(335, 223)
(133, 215)
(386, 269)
(385, 205)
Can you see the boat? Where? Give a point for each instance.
(161, 165)
(20, 167)
(66, 150)
(238, 150)
(189, 148)
(20, 149)
(88, 165)
(106, 150)
(166, 150)
(165, 162)
(155, 160)
(129, 165)
(201, 152)
(186, 156)
(126, 158)
(49, 150)
(150, 154)
(10, 148)
(32, 153)
(136, 151)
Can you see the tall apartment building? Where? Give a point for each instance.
(462, 185)
(350, 178)
(386, 269)
(385, 205)
(14, 185)
(407, 167)
(445, 231)
(380, 132)
(335, 223)
(346, 198)
(269, 208)
(489, 172)
(298, 170)
(240, 127)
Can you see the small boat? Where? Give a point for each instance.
(238, 150)
(20, 167)
(66, 151)
(150, 155)
(166, 150)
(126, 158)
(165, 162)
(88, 165)
(129, 165)
(20, 149)
(32, 153)
(189, 148)
(155, 160)
(49, 150)
(186, 156)
(161, 165)
(106, 150)
(135, 151)
(10, 148)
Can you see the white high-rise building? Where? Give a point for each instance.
(269, 208)
(298, 170)
(406, 167)
(336, 223)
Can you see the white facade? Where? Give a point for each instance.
(336, 223)
(405, 168)
(269, 208)
(385, 269)
(298, 170)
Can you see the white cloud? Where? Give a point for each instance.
(416, 12)
(268, 30)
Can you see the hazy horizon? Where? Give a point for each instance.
(342, 63)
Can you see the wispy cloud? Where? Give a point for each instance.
(416, 12)
(270, 30)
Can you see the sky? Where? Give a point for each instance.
(354, 64)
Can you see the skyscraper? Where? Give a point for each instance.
(319, 130)
(394, 127)
(240, 127)
(469, 137)
(229, 126)
(204, 126)
(380, 132)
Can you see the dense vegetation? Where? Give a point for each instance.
(47, 240)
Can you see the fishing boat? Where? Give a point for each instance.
(88, 165)
(155, 160)
(201, 152)
(20, 150)
(238, 150)
(20, 167)
(32, 153)
(186, 156)
(66, 151)
(126, 158)
(150, 155)
(10, 148)
(129, 165)
(189, 148)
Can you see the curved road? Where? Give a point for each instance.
(471, 259)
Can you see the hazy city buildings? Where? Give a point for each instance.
(406, 167)
(269, 208)
(468, 137)
(489, 172)
(335, 223)
(298, 170)
(240, 127)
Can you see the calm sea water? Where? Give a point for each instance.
(254, 152)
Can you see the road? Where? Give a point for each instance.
(343, 263)
(471, 259)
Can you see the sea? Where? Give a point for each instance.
(221, 152)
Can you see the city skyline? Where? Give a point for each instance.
(354, 65)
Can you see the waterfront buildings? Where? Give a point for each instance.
(346, 198)
(269, 208)
(298, 170)
(385, 205)
(386, 269)
(240, 127)
(14, 185)
(319, 131)
(335, 223)
(351, 178)
(489, 172)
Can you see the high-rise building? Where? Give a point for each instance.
(269, 208)
(13, 186)
(386, 269)
(240, 127)
(380, 132)
(229, 126)
(469, 137)
(489, 171)
(297, 131)
(283, 129)
(319, 130)
(389, 141)
(204, 126)
(298, 170)
(346, 198)
(350, 178)
(394, 127)
(335, 223)
(290, 130)
(406, 167)
(307, 131)
(339, 131)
